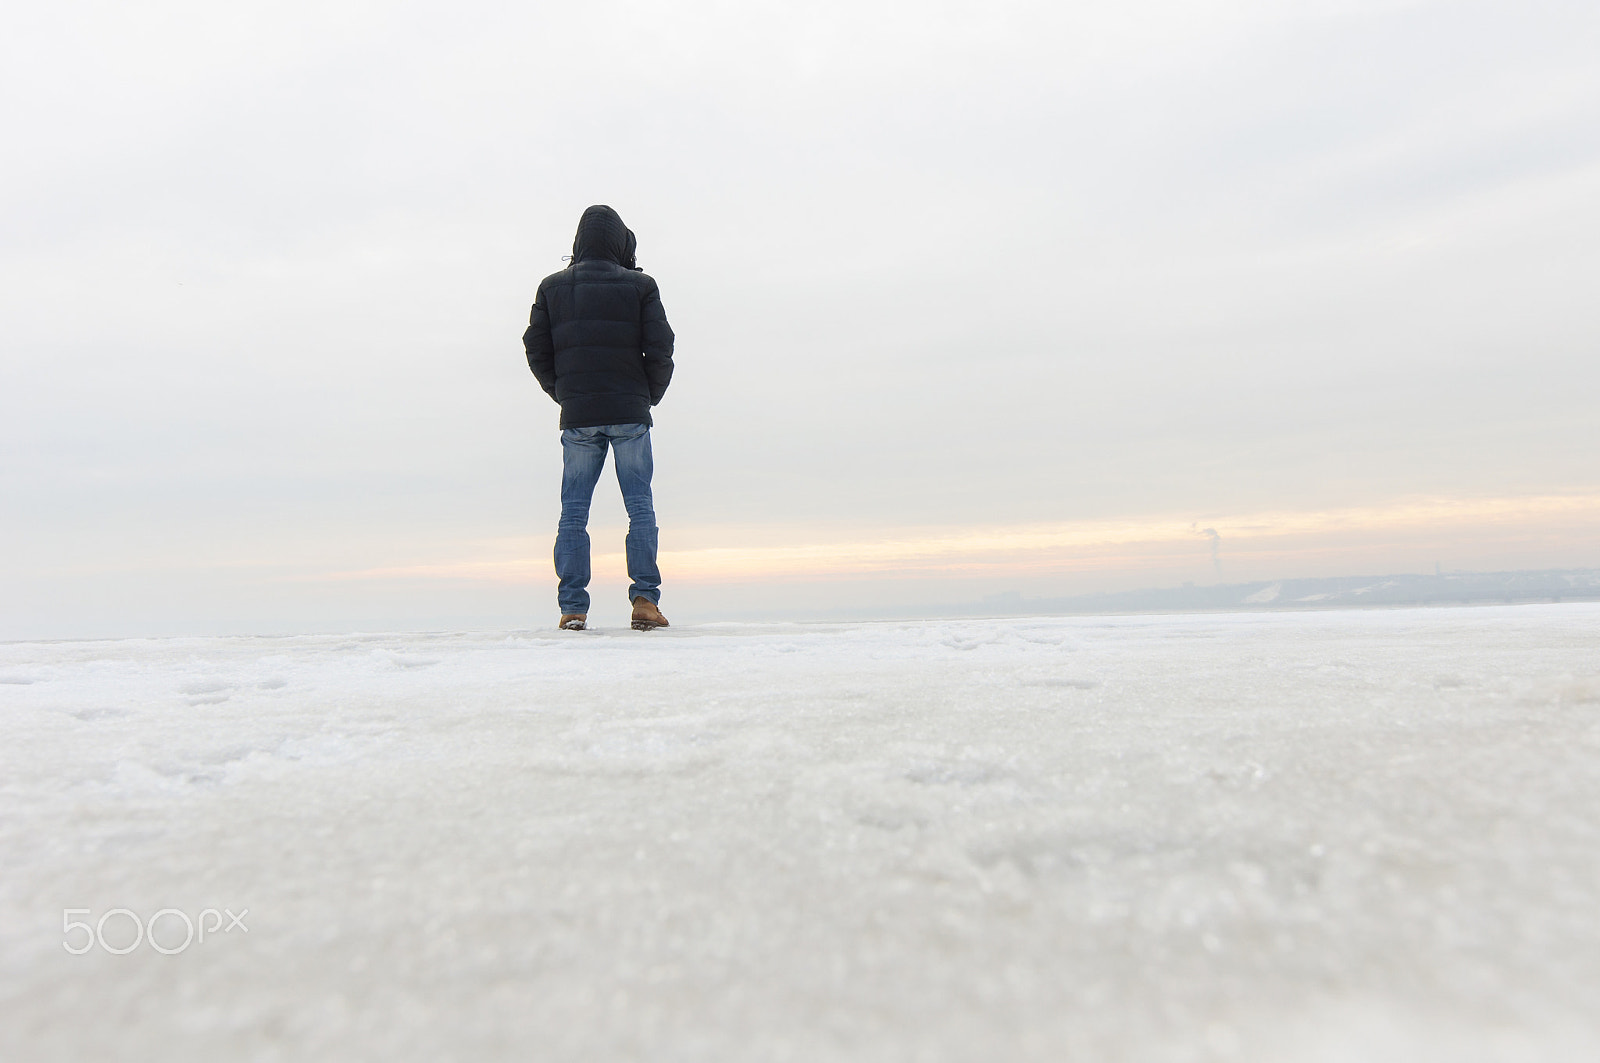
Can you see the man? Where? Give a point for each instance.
(599, 343)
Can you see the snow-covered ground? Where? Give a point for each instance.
(1332, 836)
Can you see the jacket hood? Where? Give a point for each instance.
(601, 235)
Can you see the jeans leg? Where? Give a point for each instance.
(583, 455)
(635, 466)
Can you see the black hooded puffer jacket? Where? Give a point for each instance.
(598, 338)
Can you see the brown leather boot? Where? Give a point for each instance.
(574, 621)
(646, 616)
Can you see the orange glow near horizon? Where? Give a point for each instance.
(1129, 545)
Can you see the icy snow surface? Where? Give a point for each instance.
(1326, 836)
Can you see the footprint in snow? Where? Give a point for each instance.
(956, 642)
(207, 692)
(91, 715)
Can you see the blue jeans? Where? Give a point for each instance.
(583, 455)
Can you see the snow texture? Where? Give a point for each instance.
(1274, 836)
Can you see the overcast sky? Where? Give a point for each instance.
(970, 298)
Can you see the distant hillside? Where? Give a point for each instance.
(1339, 592)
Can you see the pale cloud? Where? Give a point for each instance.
(965, 294)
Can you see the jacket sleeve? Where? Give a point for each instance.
(657, 339)
(541, 351)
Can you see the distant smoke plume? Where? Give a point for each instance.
(1216, 545)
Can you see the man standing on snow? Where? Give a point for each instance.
(599, 343)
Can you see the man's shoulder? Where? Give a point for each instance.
(643, 281)
(599, 273)
(611, 273)
(560, 276)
